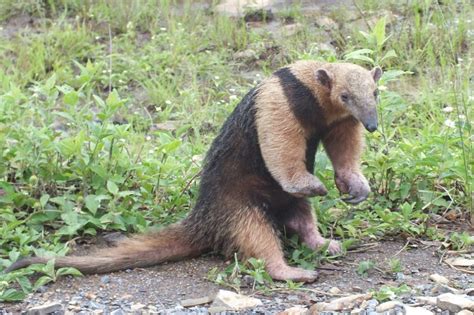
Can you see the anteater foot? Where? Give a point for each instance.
(292, 273)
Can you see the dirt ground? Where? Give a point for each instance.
(164, 286)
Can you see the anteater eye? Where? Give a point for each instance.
(376, 93)
(344, 97)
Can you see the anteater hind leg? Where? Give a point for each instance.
(301, 221)
(254, 236)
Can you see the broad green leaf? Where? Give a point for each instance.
(390, 54)
(68, 271)
(43, 200)
(42, 281)
(112, 187)
(379, 32)
(92, 203)
(12, 295)
(71, 98)
(25, 284)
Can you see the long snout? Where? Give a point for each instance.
(370, 121)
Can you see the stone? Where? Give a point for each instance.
(441, 288)
(426, 300)
(387, 306)
(44, 309)
(357, 289)
(227, 300)
(247, 55)
(105, 279)
(169, 125)
(400, 276)
(343, 303)
(465, 312)
(126, 297)
(460, 262)
(326, 23)
(137, 307)
(335, 290)
(454, 303)
(439, 279)
(410, 310)
(237, 8)
(117, 312)
(196, 301)
(292, 29)
(90, 296)
(295, 310)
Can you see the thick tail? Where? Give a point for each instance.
(146, 250)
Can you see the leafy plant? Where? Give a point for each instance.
(364, 267)
(389, 293)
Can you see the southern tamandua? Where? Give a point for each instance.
(258, 173)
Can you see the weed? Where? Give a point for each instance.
(390, 293)
(364, 267)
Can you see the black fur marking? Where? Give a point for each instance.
(234, 178)
(306, 109)
(302, 101)
(311, 148)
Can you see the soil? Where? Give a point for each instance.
(164, 286)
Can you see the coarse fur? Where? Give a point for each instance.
(258, 173)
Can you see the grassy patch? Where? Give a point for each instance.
(107, 108)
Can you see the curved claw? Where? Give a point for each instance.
(354, 199)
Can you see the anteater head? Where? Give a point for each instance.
(353, 89)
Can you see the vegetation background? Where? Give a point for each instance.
(107, 108)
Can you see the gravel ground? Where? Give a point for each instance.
(164, 286)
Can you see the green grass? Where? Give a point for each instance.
(83, 88)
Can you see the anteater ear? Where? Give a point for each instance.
(324, 77)
(376, 73)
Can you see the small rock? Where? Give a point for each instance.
(137, 307)
(387, 306)
(335, 290)
(439, 279)
(126, 297)
(357, 289)
(343, 303)
(45, 309)
(372, 304)
(292, 298)
(326, 23)
(454, 303)
(465, 312)
(292, 29)
(441, 288)
(117, 312)
(295, 310)
(166, 126)
(469, 291)
(105, 279)
(400, 276)
(194, 302)
(426, 300)
(247, 55)
(228, 300)
(409, 310)
(90, 296)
